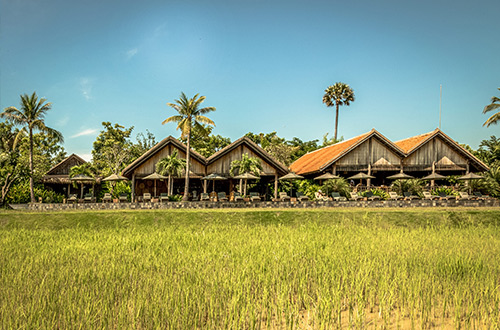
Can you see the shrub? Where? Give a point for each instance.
(20, 194)
(337, 185)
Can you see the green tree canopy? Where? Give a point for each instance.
(112, 149)
(31, 116)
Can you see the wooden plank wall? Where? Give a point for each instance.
(148, 167)
(433, 151)
(362, 155)
(223, 164)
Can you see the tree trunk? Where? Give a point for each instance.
(169, 192)
(336, 122)
(188, 156)
(32, 189)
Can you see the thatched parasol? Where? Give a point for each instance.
(214, 177)
(400, 176)
(246, 176)
(82, 178)
(155, 176)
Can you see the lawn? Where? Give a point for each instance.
(306, 269)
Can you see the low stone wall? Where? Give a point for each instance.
(493, 202)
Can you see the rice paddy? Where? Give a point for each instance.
(258, 269)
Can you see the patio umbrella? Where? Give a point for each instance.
(214, 177)
(155, 176)
(246, 176)
(470, 176)
(400, 176)
(290, 177)
(115, 177)
(82, 178)
(361, 176)
(326, 176)
(434, 176)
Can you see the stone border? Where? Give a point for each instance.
(492, 202)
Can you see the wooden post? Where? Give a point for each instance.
(204, 186)
(276, 185)
(334, 171)
(132, 197)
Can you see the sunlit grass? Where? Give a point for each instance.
(250, 269)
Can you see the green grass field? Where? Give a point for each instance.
(255, 269)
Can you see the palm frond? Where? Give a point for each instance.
(204, 120)
(175, 119)
(492, 120)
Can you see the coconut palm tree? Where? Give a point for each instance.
(190, 116)
(31, 116)
(495, 105)
(338, 94)
(171, 166)
(246, 164)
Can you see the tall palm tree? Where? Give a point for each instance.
(246, 164)
(495, 105)
(338, 94)
(31, 116)
(190, 116)
(171, 166)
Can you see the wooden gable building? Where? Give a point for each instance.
(220, 162)
(436, 151)
(57, 178)
(146, 165)
(370, 152)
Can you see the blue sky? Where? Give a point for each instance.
(263, 64)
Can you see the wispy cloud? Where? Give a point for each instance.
(86, 88)
(131, 53)
(88, 131)
(63, 121)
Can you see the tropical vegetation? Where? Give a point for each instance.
(171, 166)
(493, 106)
(246, 164)
(189, 115)
(31, 117)
(337, 95)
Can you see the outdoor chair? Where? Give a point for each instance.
(371, 196)
(204, 197)
(163, 197)
(238, 197)
(146, 197)
(466, 196)
(336, 197)
(107, 198)
(254, 197)
(194, 195)
(284, 197)
(72, 198)
(88, 198)
(393, 196)
(429, 196)
(222, 197)
(480, 196)
(355, 196)
(123, 198)
(442, 195)
(409, 196)
(301, 197)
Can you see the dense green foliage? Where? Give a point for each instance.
(253, 269)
